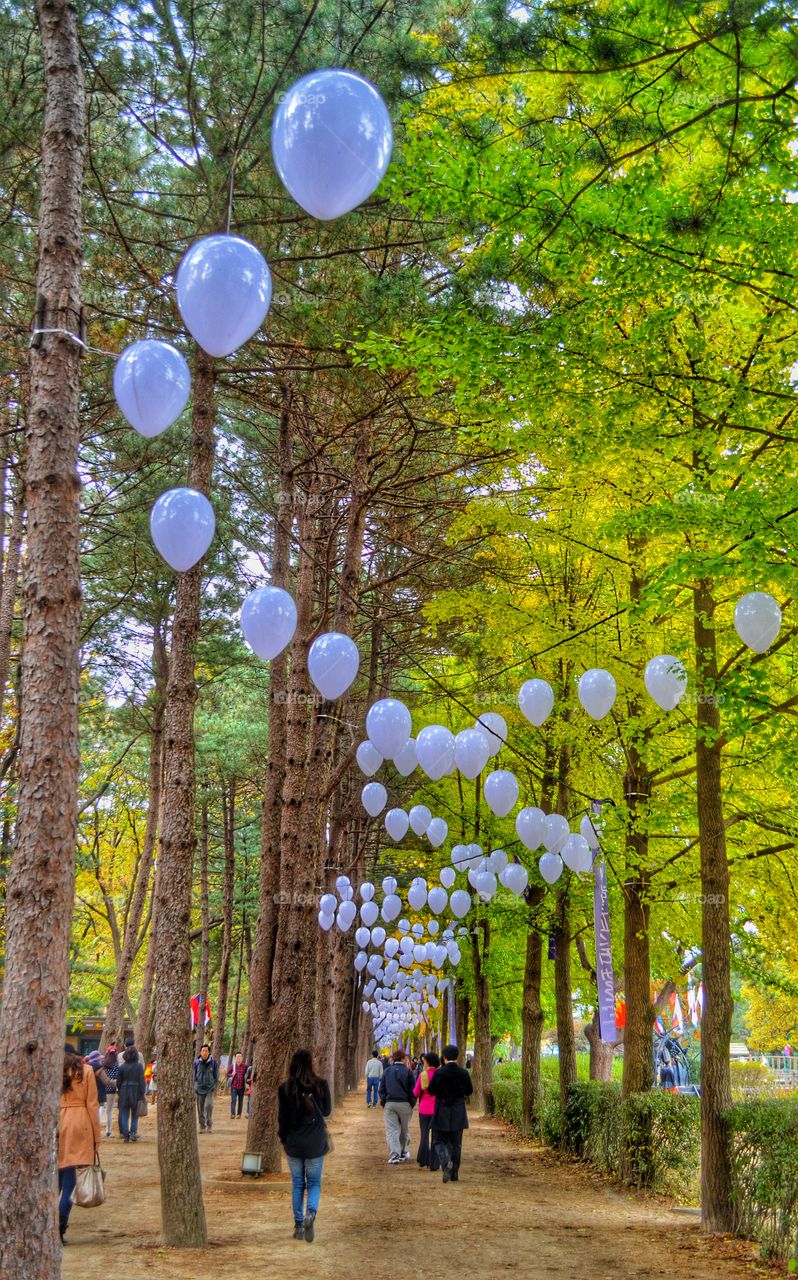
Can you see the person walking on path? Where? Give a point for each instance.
(111, 1068)
(95, 1061)
(373, 1077)
(206, 1077)
(130, 1082)
(303, 1102)
(450, 1086)
(396, 1096)
(130, 1043)
(426, 1156)
(237, 1072)
(78, 1132)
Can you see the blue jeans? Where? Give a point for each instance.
(372, 1089)
(236, 1096)
(305, 1174)
(128, 1122)
(66, 1185)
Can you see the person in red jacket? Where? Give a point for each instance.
(237, 1073)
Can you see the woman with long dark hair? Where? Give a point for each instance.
(303, 1102)
(79, 1129)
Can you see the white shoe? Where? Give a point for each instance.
(394, 1160)
(405, 1156)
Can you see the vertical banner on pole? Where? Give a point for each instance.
(605, 979)
(452, 1019)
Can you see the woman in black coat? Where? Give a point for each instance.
(450, 1086)
(303, 1101)
(131, 1087)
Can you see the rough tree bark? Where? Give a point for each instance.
(205, 937)
(483, 1048)
(8, 595)
(566, 1040)
(113, 1028)
(716, 1180)
(41, 880)
(532, 1014)
(182, 1208)
(228, 890)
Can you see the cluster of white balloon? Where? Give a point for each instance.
(331, 144)
(402, 969)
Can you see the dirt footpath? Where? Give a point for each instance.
(518, 1210)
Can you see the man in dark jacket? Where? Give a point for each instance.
(450, 1086)
(396, 1096)
(206, 1075)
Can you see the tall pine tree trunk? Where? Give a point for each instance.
(182, 1208)
(262, 1127)
(39, 895)
(229, 813)
(205, 917)
(532, 1017)
(716, 1181)
(113, 1028)
(483, 1047)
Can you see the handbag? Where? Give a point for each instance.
(141, 1107)
(330, 1144)
(89, 1184)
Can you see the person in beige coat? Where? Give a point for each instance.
(79, 1130)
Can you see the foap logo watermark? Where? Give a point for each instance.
(697, 498)
(298, 698)
(702, 899)
(302, 99)
(302, 900)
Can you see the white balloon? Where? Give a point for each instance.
(576, 854)
(475, 855)
(433, 927)
(417, 894)
(555, 832)
(435, 750)
(550, 867)
(391, 946)
(436, 832)
(501, 792)
(374, 797)
(515, 878)
(389, 885)
(529, 826)
(152, 383)
(368, 758)
(497, 861)
(326, 922)
(460, 903)
(494, 728)
(331, 141)
(388, 725)
(447, 877)
(396, 823)
(471, 752)
(485, 885)
(223, 292)
(665, 679)
(589, 828)
(420, 818)
(367, 891)
(333, 662)
(404, 926)
(597, 690)
(347, 893)
(361, 960)
(369, 913)
(405, 760)
(391, 907)
(362, 936)
(473, 872)
(536, 699)
(328, 904)
(757, 620)
(182, 525)
(461, 856)
(438, 899)
(419, 953)
(345, 917)
(377, 936)
(268, 621)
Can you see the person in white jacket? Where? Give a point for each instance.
(373, 1077)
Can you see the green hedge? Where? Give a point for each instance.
(651, 1140)
(654, 1140)
(765, 1174)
